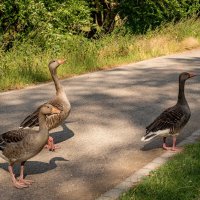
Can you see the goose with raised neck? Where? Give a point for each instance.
(172, 120)
(60, 101)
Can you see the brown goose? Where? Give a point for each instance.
(22, 144)
(173, 119)
(60, 101)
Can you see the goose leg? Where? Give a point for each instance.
(174, 148)
(50, 144)
(21, 177)
(16, 183)
(164, 144)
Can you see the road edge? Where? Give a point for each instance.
(137, 176)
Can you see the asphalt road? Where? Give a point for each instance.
(100, 141)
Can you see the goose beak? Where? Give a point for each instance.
(55, 111)
(61, 61)
(193, 74)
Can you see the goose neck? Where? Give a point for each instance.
(42, 122)
(56, 81)
(181, 93)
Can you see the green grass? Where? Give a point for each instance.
(26, 63)
(179, 179)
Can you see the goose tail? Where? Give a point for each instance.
(149, 136)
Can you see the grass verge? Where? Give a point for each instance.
(179, 179)
(26, 63)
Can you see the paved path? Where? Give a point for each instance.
(100, 143)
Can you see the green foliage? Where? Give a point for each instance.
(34, 31)
(45, 22)
(142, 15)
(26, 62)
(49, 23)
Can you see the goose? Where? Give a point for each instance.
(60, 101)
(172, 120)
(17, 146)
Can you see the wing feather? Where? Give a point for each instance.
(32, 119)
(167, 120)
(12, 136)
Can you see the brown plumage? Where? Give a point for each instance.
(173, 119)
(169, 119)
(22, 144)
(60, 101)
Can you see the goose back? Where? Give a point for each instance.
(52, 121)
(21, 144)
(172, 119)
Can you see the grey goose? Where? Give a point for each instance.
(60, 101)
(17, 146)
(172, 120)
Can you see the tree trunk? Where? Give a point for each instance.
(103, 15)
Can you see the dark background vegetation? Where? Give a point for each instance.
(47, 22)
(90, 35)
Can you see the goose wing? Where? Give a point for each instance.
(32, 119)
(167, 120)
(12, 136)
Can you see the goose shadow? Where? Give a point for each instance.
(63, 135)
(157, 144)
(35, 167)
(152, 145)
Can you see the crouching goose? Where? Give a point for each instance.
(22, 144)
(60, 101)
(173, 119)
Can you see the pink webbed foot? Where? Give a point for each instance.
(19, 185)
(16, 183)
(165, 147)
(176, 149)
(50, 145)
(25, 181)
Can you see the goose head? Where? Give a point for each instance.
(186, 75)
(48, 109)
(55, 63)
